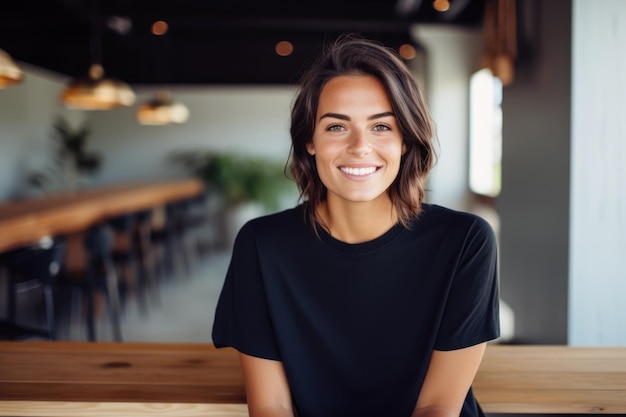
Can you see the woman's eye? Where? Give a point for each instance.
(381, 128)
(335, 128)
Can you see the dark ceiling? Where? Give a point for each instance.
(208, 41)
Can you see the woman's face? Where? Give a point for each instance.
(356, 142)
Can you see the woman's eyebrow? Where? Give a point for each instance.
(335, 116)
(347, 118)
(379, 115)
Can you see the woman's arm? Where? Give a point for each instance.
(267, 389)
(449, 377)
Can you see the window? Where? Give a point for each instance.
(485, 133)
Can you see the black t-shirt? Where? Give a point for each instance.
(355, 324)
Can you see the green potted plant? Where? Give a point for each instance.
(237, 179)
(245, 186)
(72, 162)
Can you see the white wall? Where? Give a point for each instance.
(27, 112)
(247, 120)
(452, 55)
(597, 314)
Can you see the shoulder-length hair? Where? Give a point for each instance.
(350, 55)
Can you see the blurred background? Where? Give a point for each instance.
(96, 96)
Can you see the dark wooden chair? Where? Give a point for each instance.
(97, 276)
(28, 269)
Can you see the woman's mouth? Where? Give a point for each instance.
(358, 171)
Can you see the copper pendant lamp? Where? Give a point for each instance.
(162, 110)
(10, 73)
(95, 91)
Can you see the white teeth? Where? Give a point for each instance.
(358, 171)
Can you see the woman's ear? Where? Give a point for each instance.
(403, 148)
(310, 149)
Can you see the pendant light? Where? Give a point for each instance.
(162, 110)
(95, 91)
(10, 73)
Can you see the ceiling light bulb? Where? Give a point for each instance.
(159, 27)
(407, 51)
(284, 48)
(441, 5)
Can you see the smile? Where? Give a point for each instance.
(358, 171)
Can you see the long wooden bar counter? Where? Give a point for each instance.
(139, 379)
(26, 221)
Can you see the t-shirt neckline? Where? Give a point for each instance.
(363, 247)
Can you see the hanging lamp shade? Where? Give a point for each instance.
(162, 110)
(10, 73)
(500, 39)
(97, 92)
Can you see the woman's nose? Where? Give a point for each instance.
(359, 145)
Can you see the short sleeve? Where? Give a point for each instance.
(242, 318)
(471, 313)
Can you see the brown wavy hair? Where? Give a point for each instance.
(353, 55)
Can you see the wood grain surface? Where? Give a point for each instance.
(552, 380)
(139, 379)
(26, 221)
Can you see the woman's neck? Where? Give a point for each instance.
(353, 222)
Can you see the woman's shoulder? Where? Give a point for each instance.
(275, 223)
(436, 215)
(289, 215)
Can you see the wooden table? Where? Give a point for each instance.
(139, 379)
(26, 221)
(552, 380)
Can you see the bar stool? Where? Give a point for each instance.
(167, 238)
(146, 252)
(185, 223)
(27, 268)
(135, 258)
(98, 275)
(126, 258)
(197, 220)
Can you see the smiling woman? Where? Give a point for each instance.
(311, 292)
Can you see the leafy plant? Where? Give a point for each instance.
(71, 159)
(237, 179)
